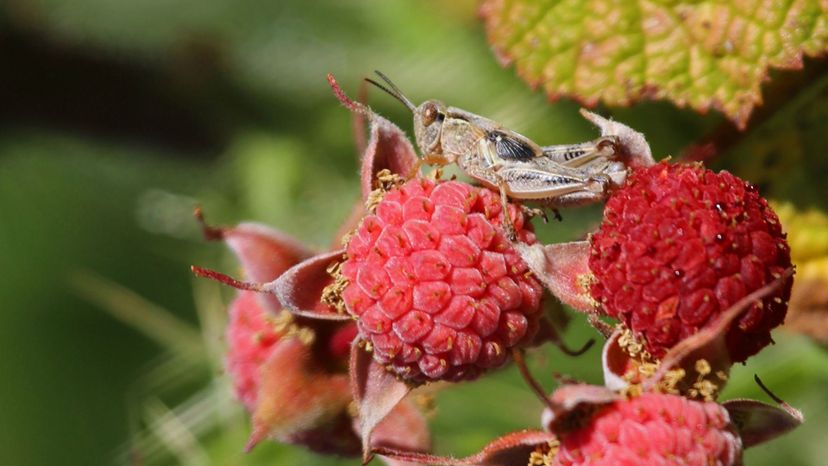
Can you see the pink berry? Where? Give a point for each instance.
(251, 339)
(653, 428)
(437, 289)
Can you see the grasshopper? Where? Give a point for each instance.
(554, 176)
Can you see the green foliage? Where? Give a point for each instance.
(785, 156)
(707, 54)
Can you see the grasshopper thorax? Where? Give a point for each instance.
(428, 125)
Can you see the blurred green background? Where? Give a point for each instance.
(117, 118)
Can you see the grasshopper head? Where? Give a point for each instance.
(428, 117)
(428, 125)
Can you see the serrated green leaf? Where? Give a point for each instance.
(705, 54)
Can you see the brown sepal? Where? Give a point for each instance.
(388, 147)
(294, 399)
(634, 145)
(404, 429)
(376, 391)
(569, 404)
(299, 289)
(758, 422)
(564, 269)
(512, 449)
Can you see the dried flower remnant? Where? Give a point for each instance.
(284, 368)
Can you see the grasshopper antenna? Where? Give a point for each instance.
(394, 91)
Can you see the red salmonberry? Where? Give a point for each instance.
(680, 244)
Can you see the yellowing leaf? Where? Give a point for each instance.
(808, 236)
(703, 54)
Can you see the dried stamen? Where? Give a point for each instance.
(332, 294)
(544, 455)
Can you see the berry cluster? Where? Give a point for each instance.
(694, 264)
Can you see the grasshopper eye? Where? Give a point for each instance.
(431, 114)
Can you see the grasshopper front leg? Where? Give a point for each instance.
(490, 176)
(437, 160)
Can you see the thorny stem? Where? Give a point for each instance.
(517, 355)
(227, 280)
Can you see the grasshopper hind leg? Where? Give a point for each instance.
(492, 178)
